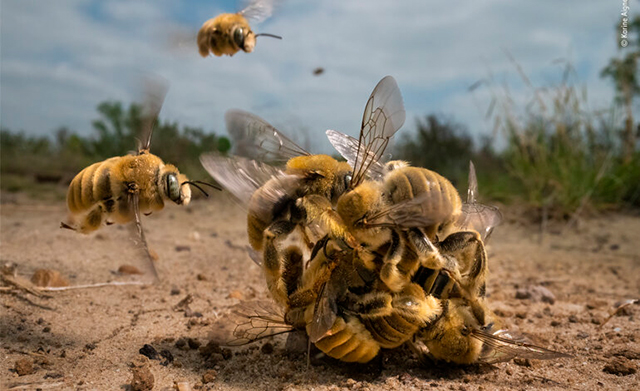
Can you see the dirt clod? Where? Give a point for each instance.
(168, 357)
(267, 348)
(24, 366)
(536, 293)
(236, 294)
(129, 269)
(149, 351)
(142, 380)
(201, 277)
(523, 362)
(620, 366)
(209, 376)
(193, 343)
(48, 278)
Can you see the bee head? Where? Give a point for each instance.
(450, 339)
(355, 205)
(243, 37)
(174, 189)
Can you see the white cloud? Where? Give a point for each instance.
(59, 60)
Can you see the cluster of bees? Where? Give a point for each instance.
(361, 254)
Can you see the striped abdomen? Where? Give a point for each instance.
(444, 203)
(90, 186)
(102, 190)
(349, 341)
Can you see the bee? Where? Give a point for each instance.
(119, 189)
(303, 194)
(424, 204)
(230, 33)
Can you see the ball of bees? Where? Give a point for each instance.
(230, 33)
(393, 255)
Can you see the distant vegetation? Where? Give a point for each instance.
(561, 156)
(26, 160)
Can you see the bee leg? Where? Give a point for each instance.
(398, 267)
(429, 255)
(321, 267)
(275, 261)
(468, 249)
(92, 220)
(67, 226)
(317, 208)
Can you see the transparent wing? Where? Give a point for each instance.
(411, 213)
(502, 346)
(255, 256)
(255, 138)
(480, 217)
(251, 321)
(155, 91)
(383, 115)
(324, 313)
(143, 245)
(259, 10)
(240, 176)
(347, 146)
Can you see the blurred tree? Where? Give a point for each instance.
(624, 74)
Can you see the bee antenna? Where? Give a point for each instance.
(208, 184)
(195, 184)
(269, 35)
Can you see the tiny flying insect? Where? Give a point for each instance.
(230, 33)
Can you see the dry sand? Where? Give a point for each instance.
(90, 339)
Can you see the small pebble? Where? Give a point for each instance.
(142, 380)
(24, 366)
(209, 376)
(620, 366)
(267, 348)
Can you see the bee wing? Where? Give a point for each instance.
(347, 146)
(258, 10)
(502, 346)
(240, 176)
(251, 321)
(255, 138)
(324, 313)
(383, 115)
(154, 93)
(411, 213)
(255, 256)
(133, 199)
(480, 217)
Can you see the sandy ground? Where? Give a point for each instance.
(90, 339)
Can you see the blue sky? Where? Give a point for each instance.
(60, 59)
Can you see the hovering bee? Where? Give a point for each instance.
(300, 195)
(118, 189)
(229, 33)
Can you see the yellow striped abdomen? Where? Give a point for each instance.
(443, 201)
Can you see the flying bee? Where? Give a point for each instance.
(230, 33)
(119, 189)
(302, 194)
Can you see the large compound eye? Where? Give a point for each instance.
(173, 188)
(238, 37)
(347, 180)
